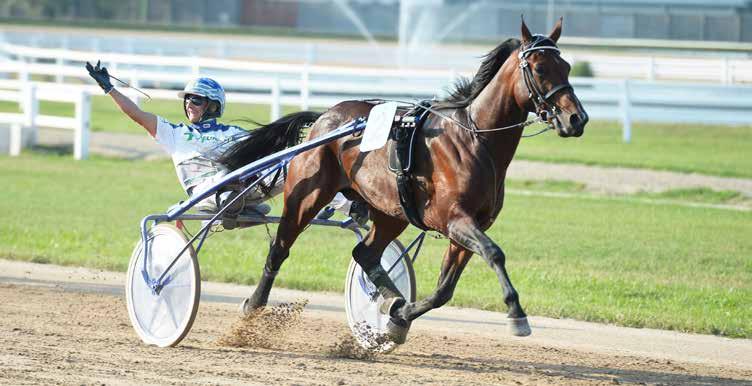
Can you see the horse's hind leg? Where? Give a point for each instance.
(455, 259)
(466, 232)
(307, 190)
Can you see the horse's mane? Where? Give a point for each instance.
(465, 91)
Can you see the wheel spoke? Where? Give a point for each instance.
(172, 314)
(155, 311)
(174, 285)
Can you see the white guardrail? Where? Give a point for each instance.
(648, 59)
(308, 86)
(28, 95)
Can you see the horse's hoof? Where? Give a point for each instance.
(246, 308)
(519, 326)
(388, 306)
(397, 330)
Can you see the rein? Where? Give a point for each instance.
(475, 129)
(129, 86)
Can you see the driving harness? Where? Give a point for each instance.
(400, 148)
(408, 122)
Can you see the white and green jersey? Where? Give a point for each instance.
(194, 146)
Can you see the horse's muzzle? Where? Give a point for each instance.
(571, 126)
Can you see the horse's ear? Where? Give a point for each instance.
(556, 32)
(527, 37)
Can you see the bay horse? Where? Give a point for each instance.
(460, 162)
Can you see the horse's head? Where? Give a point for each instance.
(544, 86)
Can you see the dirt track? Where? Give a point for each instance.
(55, 333)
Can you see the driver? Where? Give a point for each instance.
(195, 146)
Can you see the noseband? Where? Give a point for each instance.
(543, 108)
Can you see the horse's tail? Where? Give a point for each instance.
(268, 139)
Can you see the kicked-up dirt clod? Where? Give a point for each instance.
(264, 326)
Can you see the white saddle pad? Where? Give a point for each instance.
(377, 128)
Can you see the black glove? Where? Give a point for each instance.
(100, 74)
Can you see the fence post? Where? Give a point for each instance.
(725, 71)
(275, 106)
(23, 73)
(626, 105)
(221, 48)
(59, 75)
(195, 68)
(30, 108)
(81, 140)
(310, 54)
(136, 96)
(129, 46)
(64, 44)
(16, 139)
(304, 88)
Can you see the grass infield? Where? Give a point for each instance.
(629, 263)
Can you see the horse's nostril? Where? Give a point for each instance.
(574, 120)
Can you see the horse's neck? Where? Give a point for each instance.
(495, 107)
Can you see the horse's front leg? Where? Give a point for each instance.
(455, 259)
(466, 232)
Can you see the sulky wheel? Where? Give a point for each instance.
(163, 318)
(368, 325)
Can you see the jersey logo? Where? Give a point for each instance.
(199, 137)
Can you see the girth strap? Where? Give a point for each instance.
(400, 160)
(407, 200)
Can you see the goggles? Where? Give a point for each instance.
(196, 100)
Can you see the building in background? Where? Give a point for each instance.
(427, 20)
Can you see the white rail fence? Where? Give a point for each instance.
(728, 68)
(28, 95)
(309, 86)
(723, 70)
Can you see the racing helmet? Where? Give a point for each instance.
(211, 90)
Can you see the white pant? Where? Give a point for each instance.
(341, 204)
(254, 197)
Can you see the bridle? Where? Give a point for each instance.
(543, 107)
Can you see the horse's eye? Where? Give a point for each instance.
(539, 69)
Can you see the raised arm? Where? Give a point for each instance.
(145, 119)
